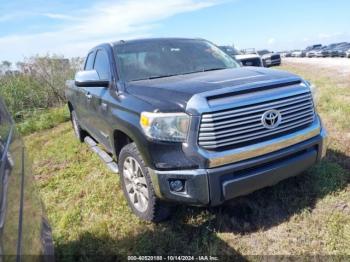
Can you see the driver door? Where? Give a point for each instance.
(97, 108)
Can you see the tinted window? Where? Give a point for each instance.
(102, 65)
(89, 61)
(163, 58)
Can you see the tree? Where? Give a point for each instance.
(51, 72)
(39, 82)
(5, 66)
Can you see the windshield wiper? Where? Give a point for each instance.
(214, 69)
(162, 76)
(185, 73)
(205, 70)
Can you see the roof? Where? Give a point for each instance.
(144, 40)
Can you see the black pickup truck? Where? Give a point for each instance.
(188, 125)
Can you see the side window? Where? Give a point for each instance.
(102, 65)
(89, 61)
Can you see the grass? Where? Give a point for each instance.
(38, 120)
(308, 214)
(332, 92)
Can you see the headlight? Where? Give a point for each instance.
(165, 126)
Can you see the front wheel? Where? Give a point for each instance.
(137, 186)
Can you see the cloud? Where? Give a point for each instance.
(60, 16)
(81, 29)
(271, 41)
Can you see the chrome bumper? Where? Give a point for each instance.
(213, 186)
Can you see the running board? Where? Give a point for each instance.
(111, 164)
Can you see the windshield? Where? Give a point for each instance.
(157, 58)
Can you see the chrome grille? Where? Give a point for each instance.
(242, 125)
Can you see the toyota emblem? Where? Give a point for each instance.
(271, 119)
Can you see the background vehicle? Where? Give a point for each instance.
(313, 47)
(188, 125)
(24, 229)
(297, 53)
(247, 59)
(270, 58)
(347, 53)
(333, 49)
(312, 52)
(323, 52)
(341, 49)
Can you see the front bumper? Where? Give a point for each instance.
(213, 186)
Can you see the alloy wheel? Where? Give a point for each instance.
(135, 184)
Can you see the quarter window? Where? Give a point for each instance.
(102, 65)
(89, 61)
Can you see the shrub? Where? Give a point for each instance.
(39, 83)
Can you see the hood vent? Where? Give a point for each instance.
(253, 89)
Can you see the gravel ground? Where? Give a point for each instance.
(342, 65)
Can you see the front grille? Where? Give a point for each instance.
(242, 125)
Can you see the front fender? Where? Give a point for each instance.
(156, 154)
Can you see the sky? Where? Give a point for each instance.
(70, 28)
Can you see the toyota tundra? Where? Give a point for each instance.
(187, 124)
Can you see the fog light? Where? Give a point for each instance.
(176, 185)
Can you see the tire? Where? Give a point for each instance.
(78, 131)
(137, 186)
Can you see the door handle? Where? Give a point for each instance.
(88, 96)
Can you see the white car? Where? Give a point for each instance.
(245, 58)
(270, 58)
(348, 53)
(297, 53)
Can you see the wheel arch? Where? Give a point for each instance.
(120, 139)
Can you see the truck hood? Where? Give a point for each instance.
(173, 93)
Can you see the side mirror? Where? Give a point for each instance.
(89, 78)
